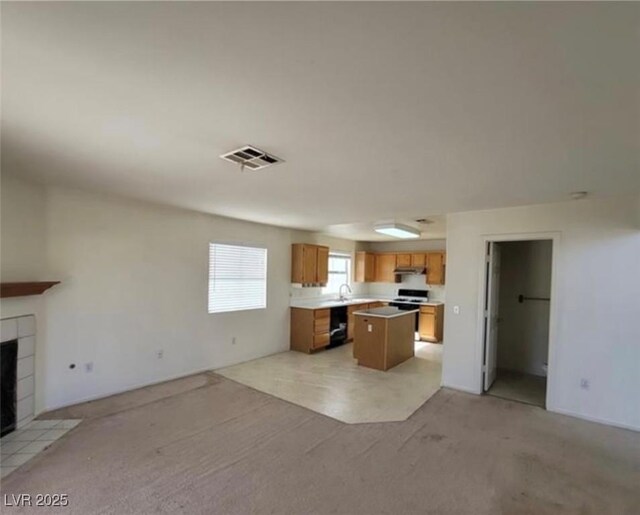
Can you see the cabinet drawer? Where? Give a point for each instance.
(322, 313)
(320, 340)
(321, 325)
(430, 310)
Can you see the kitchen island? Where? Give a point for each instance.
(384, 337)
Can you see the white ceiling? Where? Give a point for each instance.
(381, 110)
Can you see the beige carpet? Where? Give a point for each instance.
(224, 448)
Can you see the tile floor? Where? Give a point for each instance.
(21, 445)
(331, 383)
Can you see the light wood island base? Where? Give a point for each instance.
(384, 337)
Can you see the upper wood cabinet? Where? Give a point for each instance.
(403, 260)
(418, 260)
(385, 265)
(322, 269)
(372, 267)
(309, 264)
(436, 265)
(365, 267)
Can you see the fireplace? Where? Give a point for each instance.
(17, 367)
(8, 386)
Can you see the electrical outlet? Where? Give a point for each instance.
(584, 384)
(456, 310)
(160, 354)
(88, 367)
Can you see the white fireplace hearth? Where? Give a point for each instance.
(23, 329)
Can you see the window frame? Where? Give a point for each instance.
(347, 256)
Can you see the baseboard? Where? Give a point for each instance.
(597, 420)
(461, 388)
(122, 390)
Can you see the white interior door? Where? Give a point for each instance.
(491, 316)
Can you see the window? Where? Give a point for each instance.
(339, 272)
(237, 278)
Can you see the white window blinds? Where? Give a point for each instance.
(237, 278)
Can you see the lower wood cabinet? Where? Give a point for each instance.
(309, 329)
(431, 323)
(436, 265)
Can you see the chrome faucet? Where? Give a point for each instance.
(344, 297)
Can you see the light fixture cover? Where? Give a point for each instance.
(397, 230)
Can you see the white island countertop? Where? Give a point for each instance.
(385, 312)
(333, 303)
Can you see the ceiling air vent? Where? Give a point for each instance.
(251, 157)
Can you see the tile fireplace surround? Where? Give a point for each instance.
(23, 329)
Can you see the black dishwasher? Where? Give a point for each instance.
(338, 326)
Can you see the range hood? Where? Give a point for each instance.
(409, 270)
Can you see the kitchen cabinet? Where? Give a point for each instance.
(381, 340)
(365, 267)
(431, 323)
(322, 267)
(403, 260)
(309, 264)
(385, 265)
(436, 265)
(309, 329)
(351, 319)
(418, 260)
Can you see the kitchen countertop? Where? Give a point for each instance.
(385, 312)
(333, 303)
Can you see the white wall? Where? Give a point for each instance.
(22, 230)
(523, 334)
(595, 332)
(134, 281)
(23, 256)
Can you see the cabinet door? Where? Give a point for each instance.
(309, 264)
(365, 267)
(322, 270)
(435, 268)
(385, 265)
(361, 267)
(369, 267)
(427, 326)
(418, 260)
(403, 260)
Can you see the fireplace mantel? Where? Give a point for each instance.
(25, 288)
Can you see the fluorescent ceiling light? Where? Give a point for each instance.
(397, 230)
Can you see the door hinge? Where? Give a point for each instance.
(484, 369)
(486, 313)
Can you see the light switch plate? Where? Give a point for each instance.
(369, 328)
(456, 310)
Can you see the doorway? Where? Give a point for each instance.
(516, 317)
